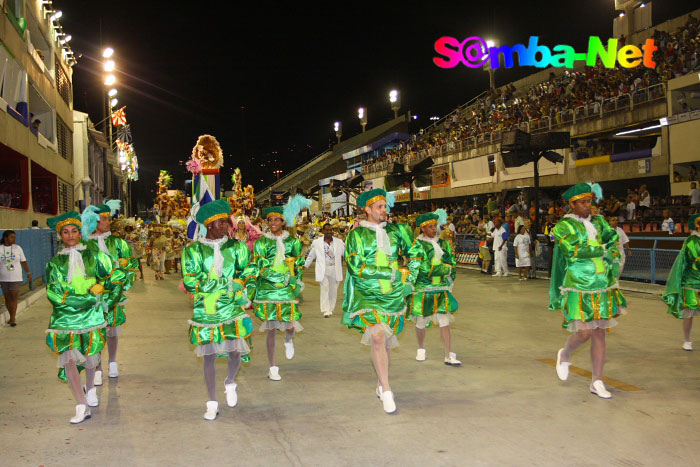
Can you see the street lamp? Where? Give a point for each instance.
(487, 65)
(362, 115)
(278, 172)
(395, 102)
(112, 92)
(338, 127)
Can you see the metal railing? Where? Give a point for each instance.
(651, 265)
(624, 102)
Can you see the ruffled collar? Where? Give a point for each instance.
(211, 243)
(371, 225)
(76, 266)
(272, 236)
(102, 235)
(436, 245)
(78, 247)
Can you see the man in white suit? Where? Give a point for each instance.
(328, 251)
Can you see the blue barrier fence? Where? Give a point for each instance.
(651, 265)
(39, 245)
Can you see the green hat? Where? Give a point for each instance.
(583, 190)
(214, 210)
(694, 222)
(427, 218)
(67, 218)
(274, 211)
(372, 196)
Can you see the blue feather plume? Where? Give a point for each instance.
(597, 190)
(390, 200)
(89, 218)
(442, 216)
(295, 204)
(114, 206)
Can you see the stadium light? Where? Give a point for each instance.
(108, 52)
(113, 102)
(109, 65)
(112, 92)
(362, 115)
(395, 102)
(66, 39)
(56, 15)
(110, 80)
(338, 127)
(487, 65)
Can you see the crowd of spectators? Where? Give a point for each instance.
(583, 92)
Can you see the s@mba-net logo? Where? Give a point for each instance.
(473, 52)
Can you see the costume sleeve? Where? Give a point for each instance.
(195, 279)
(61, 293)
(449, 260)
(300, 260)
(610, 239)
(413, 250)
(112, 278)
(312, 256)
(250, 274)
(673, 294)
(127, 262)
(570, 246)
(357, 262)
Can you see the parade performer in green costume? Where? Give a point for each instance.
(213, 270)
(433, 302)
(682, 294)
(375, 287)
(120, 252)
(583, 284)
(278, 268)
(81, 284)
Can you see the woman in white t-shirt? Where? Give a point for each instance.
(11, 257)
(522, 253)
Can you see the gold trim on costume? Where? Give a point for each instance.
(105, 214)
(215, 217)
(274, 214)
(375, 199)
(429, 221)
(579, 196)
(66, 222)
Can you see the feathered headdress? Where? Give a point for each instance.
(390, 200)
(295, 204)
(114, 206)
(442, 217)
(597, 190)
(89, 219)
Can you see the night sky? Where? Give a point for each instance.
(186, 69)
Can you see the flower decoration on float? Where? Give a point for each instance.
(208, 152)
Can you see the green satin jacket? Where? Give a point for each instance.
(363, 291)
(268, 282)
(217, 298)
(683, 284)
(121, 254)
(75, 308)
(440, 276)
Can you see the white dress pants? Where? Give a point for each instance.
(329, 290)
(501, 261)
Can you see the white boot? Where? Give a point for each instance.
(212, 410)
(91, 397)
(274, 373)
(113, 370)
(452, 360)
(82, 412)
(231, 396)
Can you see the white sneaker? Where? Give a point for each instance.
(505, 274)
(212, 410)
(113, 370)
(231, 396)
(327, 314)
(91, 397)
(379, 392)
(498, 274)
(274, 373)
(562, 367)
(82, 412)
(420, 355)
(98, 378)
(387, 399)
(688, 346)
(289, 349)
(452, 360)
(598, 388)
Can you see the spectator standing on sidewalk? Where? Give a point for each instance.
(623, 244)
(12, 256)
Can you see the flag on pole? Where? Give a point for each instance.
(119, 117)
(201, 195)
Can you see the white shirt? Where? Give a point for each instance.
(694, 196)
(497, 236)
(630, 210)
(646, 201)
(623, 240)
(522, 243)
(10, 259)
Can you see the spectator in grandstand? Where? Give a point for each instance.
(623, 242)
(522, 253)
(668, 225)
(694, 197)
(519, 220)
(644, 201)
(630, 208)
(491, 205)
(692, 173)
